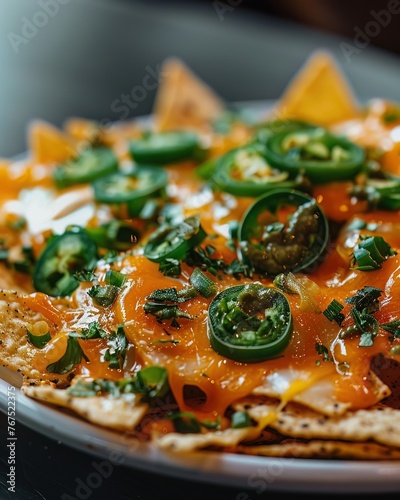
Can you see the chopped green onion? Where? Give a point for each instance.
(240, 419)
(186, 423)
(115, 278)
(392, 327)
(367, 325)
(38, 341)
(104, 295)
(334, 312)
(366, 298)
(203, 284)
(213, 425)
(370, 253)
(172, 295)
(85, 276)
(117, 345)
(83, 389)
(93, 331)
(72, 356)
(152, 383)
(165, 311)
(323, 351)
(170, 267)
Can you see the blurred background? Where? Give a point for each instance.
(62, 58)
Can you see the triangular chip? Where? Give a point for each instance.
(82, 129)
(48, 144)
(323, 449)
(122, 413)
(189, 442)
(378, 424)
(183, 100)
(90, 132)
(319, 93)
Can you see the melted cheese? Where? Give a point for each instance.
(192, 361)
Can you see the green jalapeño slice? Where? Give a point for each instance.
(163, 148)
(133, 188)
(175, 241)
(245, 172)
(63, 256)
(320, 155)
(267, 129)
(91, 164)
(284, 230)
(249, 323)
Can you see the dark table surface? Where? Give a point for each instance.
(83, 58)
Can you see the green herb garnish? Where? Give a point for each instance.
(370, 253)
(104, 295)
(334, 312)
(323, 351)
(240, 419)
(38, 341)
(117, 345)
(72, 356)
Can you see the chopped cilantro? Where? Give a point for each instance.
(72, 356)
(366, 298)
(323, 351)
(104, 295)
(117, 345)
(334, 312)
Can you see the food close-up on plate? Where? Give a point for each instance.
(213, 288)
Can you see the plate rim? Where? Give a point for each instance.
(224, 469)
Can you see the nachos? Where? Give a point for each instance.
(217, 279)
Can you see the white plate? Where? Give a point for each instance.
(289, 474)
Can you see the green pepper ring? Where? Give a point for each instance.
(249, 353)
(271, 202)
(267, 129)
(223, 179)
(92, 164)
(317, 171)
(164, 147)
(152, 179)
(179, 250)
(71, 243)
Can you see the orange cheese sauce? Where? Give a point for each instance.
(192, 361)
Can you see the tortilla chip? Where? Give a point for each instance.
(319, 94)
(81, 129)
(184, 101)
(319, 397)
(323, 449)
(48, 144)
(122, 413)
(86, 132)
(189, 442)
(16, 352)
(378, 423)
